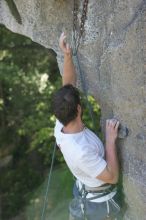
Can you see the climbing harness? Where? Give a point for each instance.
(81, 206)
(94, 194)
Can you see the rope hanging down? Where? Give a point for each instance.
(78, 30)
(48, 183)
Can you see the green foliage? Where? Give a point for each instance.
(29, 76)
(16, 186)
(27, 81)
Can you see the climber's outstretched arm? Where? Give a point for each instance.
(69, 74)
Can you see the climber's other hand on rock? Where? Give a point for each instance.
(111, 130)
(64, 46)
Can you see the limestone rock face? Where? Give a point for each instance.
(113, 58)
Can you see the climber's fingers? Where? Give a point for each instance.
(61, 41)
(63, 44)
(113, 123)
(112, 130)
(68, 48)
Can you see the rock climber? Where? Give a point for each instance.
(96, 169)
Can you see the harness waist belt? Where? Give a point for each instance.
(105, 187)
(97, 194)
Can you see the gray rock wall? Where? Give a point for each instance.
(113, 58)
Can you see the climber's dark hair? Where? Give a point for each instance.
(65, 103)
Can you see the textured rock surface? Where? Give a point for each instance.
(113, 58)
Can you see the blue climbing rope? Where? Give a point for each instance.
(85, 90)
(48, 183)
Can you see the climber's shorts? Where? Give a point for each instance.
(92, 210)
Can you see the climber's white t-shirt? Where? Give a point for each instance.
(83, 153)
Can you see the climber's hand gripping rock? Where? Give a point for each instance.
(64, 46)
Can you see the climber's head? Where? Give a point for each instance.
(67, 104)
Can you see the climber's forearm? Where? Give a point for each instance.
(69, 74)
(112, 160)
